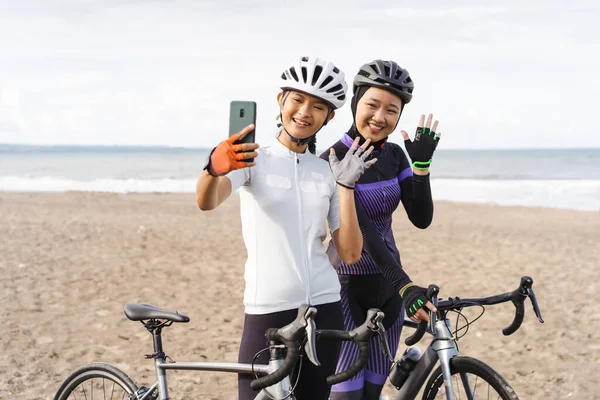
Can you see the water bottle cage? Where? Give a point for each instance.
(402, 368)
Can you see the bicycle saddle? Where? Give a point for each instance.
(139, 312)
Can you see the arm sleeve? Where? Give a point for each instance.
(325, 155)
(376, 248)
(415, 193)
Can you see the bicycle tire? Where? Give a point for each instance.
(468, 365)
(102, 371)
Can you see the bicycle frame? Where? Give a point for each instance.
(280, 390)
(442, 349)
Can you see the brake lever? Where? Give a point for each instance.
(311, 335)
(377, 317)
(536, 307)
(432, 293)
(385, 347)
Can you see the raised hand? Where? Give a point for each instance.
(350, 169)
(421, 149)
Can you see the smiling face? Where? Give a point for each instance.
(377, 113)
(302, 115)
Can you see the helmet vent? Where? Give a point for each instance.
(386, 70)
(316, 74)
(304, 73)
(335, 88)
(294, 75)
(326, 82)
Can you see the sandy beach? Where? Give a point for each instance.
(71, 261)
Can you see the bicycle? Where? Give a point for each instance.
(276, 376)
(273, 380)
(409, 379)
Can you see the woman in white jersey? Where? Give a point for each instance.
(287, 196)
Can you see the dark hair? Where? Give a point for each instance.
(312, 145)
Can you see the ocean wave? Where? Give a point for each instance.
(566, 194)
(54, 184)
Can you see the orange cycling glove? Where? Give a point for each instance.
(227, 157)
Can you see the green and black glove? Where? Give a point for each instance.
(421, 149)
(414, 298)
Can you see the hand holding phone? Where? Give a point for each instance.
(229, 156)
(239, 150)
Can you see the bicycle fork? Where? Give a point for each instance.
(445, 348)
(441, 349)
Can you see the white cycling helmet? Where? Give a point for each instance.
(316, 77)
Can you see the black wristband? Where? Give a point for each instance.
(344, 186)
(208, 164)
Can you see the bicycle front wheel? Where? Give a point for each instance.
(97, 381)
(471, 379)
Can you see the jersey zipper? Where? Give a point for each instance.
(301, 226)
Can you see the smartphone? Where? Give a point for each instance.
(242, 114)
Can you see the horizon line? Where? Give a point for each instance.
(176, 147)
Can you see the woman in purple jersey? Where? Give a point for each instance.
(381, 90)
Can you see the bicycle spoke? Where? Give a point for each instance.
(455, 386)
(465, 387)
(467, 375)
(92, 382)
(84, 394)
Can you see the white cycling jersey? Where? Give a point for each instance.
(286, 199)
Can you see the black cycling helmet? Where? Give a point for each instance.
(387, 75)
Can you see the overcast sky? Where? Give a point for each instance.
(509, 74)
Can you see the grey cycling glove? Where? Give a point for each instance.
(350, 169)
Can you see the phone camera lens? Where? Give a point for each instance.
(242, 113)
